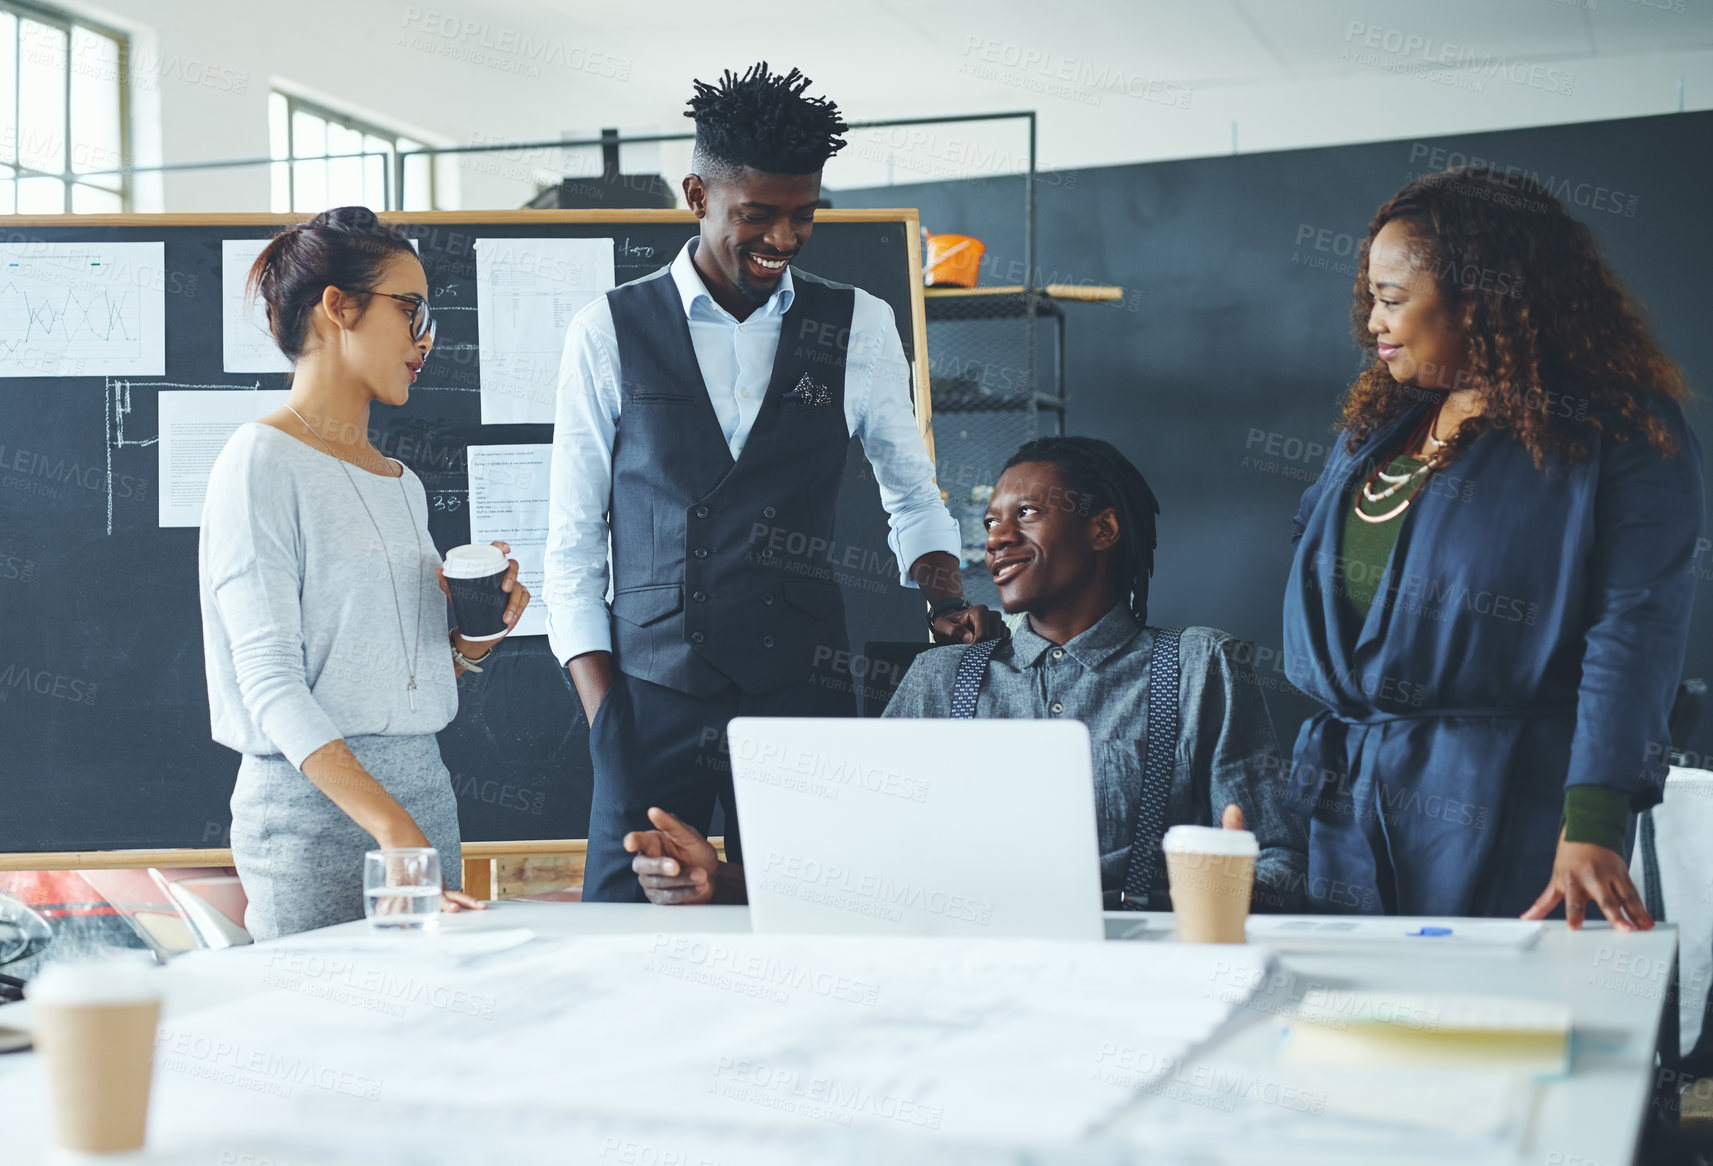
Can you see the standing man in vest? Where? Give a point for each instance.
(703, 417)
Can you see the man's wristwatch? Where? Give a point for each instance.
(947, 607)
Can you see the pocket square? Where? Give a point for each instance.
(808, 392)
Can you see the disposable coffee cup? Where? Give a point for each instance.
(95, 1028)
(1211, 873)
(474, 573)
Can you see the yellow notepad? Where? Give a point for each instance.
(1399, 1029)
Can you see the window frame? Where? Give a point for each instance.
(65, 21)
(296, 103)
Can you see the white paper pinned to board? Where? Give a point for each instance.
(527, 290)
(508, 501)
(194, 428)
(83, 309)
(246, 343)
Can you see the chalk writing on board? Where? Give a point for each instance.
(118, 407)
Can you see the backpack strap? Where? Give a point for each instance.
(1158, 764)
(972, 667)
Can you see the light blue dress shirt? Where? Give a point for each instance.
(736, 359)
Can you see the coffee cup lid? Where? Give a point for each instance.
(1209, 840)
(85, 982)
(474, 561)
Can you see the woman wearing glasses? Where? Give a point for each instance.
(330, 663)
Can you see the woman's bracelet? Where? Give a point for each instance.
(460, 660)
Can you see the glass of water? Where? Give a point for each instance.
(401, 888)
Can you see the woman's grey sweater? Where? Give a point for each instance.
(300, 627)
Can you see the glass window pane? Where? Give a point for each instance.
(8, 87)
(418, 182)
(41, 90)
(446, 195)
(41, 196)
(8, 192)
(377, 171)
(278, 127)
(308, 135)
(96, 142)
(279, 200)
(344, 175)
(375, 179)
(413, 174)
(93, 200)
(343, 139)
(309, 186)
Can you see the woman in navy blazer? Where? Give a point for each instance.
(1493, 576)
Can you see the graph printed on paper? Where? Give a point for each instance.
(82, 309)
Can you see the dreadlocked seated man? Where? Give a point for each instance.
(1070, 543)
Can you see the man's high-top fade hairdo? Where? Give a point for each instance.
(763, 121)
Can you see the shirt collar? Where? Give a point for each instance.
(691, 288)
(1091, 649)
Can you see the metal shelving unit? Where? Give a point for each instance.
(996, 359)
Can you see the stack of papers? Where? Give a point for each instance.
(1403, 1030)
(688, 1044)
(1406, 1077)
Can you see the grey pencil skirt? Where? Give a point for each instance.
(300, 857)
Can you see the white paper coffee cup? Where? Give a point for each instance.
(95, 1028)
(1211, 873)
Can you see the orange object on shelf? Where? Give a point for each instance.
(953, 260)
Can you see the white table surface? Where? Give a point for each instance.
(1615, 984)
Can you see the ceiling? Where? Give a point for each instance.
(1130, 80)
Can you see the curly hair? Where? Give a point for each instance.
(763, 121)
(1555, 344)
(1101, 477)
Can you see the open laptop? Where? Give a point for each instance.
(918, 827)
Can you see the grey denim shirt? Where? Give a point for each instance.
(1227, 751)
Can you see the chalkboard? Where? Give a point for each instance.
(1220, 371)
(103, 696)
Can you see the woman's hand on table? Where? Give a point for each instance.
(1583, 873)
(452, 902)
(673, 862)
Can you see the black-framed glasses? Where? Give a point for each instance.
(422, 324)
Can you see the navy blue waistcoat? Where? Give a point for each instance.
(719, 567)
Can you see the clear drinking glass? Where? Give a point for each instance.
(401, 888)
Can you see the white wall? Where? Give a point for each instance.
(1114, 81)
